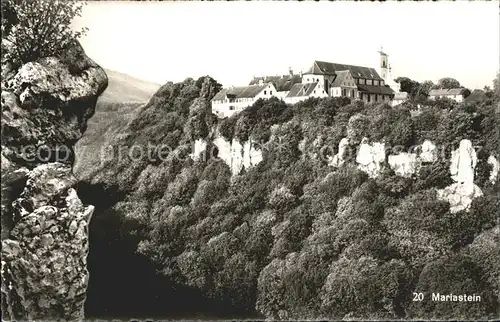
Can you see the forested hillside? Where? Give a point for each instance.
(292, 237)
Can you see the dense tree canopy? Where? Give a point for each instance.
(447, 83)
(294, 237)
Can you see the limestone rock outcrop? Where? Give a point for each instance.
(462, 168)
(370, 157)
(339, 159)
(429, 152)
(237, 155)
(44, 271)
(404, 164)
(45, 107)
(495, 168)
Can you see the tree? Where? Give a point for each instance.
(9, 17)
(447, 83)
(408, 85)
(466, 92)
(454, 274)
(43, 28)
(423, 91)
(496, 86)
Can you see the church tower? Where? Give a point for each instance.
(384, 64)
(385, 71)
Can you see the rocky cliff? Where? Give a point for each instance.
(371, 159)
(45, 107)
(324, 195)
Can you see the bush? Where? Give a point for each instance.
(457, 274)
(42, 29)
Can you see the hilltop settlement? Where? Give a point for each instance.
(322, 79)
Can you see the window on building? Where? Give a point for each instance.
(265, 92)
(270, 92)
(368, 98)
(376, 97)
(231, 108)
(352, 93)
(317, 79)
(382, 83)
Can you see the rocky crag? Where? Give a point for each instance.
(45, 107)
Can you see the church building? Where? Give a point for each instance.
(355, 82)
(322, 79)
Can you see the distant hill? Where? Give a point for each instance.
(125, 88)
(117, 106)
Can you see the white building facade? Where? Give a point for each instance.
(455, 94)
(235, 99)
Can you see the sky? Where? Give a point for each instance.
(235, 41)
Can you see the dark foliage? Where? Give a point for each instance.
(293, 237)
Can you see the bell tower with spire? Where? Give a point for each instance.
(384, 64)
(385, 71)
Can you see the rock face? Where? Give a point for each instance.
(339, 159)
(429, 153)
(44, 271)
(495, 168)
(404, 164)
(236, 155)
(45, 107)
(462, 167)
(370, 157)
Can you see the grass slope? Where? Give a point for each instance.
(115, 109)
(123, 88)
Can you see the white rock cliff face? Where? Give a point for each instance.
(338, 159)
(199, 146)
(233, 153)
(371, 157)
(463, 164)
(429, 152)
(495, 168)
(404, 164)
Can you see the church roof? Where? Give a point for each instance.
(281, 83)
(298, 90)
(326, 68)
(341, 75)
(240, 92)
(373, 89)
(476, 96)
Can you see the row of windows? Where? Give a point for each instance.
(370, 82)
(378, 98)
(232, 100)
(360, 81)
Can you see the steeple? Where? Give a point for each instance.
(385, 70)
(384, 64)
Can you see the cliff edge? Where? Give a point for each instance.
(45, 107)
